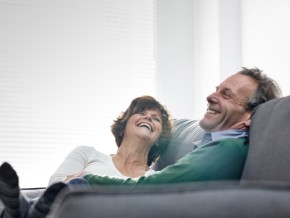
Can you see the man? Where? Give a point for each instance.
(223, 151)
(220, 156)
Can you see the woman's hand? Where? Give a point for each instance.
(69, 177)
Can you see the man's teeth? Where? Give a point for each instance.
(211, 111)
(145, 125)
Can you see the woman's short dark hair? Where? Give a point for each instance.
(138, 105)
(267, 88)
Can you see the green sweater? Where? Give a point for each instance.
(218, 160)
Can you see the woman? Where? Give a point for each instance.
(140, 133)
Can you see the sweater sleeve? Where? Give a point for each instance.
(75, 162)
(218, 160)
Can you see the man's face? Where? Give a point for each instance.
(226, 105)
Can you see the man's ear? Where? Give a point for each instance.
(248, 123)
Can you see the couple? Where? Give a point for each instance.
(221, 157)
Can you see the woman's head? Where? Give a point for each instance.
(139, 105)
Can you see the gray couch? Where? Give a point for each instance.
(263, 191)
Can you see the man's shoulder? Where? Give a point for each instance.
(241, 140)
(239, 145)
(232, 142)
(227, 145)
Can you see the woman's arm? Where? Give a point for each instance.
(73, 165)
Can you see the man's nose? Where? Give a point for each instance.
(213, 98)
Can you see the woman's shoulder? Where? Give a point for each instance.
(84, 148)
(91, 151)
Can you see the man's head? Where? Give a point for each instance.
(231, 105)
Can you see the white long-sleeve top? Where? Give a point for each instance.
(88, 159)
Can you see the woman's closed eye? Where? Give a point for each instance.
(156, 118)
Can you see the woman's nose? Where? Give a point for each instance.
(148, 117)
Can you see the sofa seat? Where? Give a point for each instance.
(207, 200)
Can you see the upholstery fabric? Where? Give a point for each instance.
(184, 133)
(207, 200)
(268, 158)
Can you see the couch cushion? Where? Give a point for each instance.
(214, 199)
(184, 133)
(269, 145)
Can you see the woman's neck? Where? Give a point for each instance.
(131, 162)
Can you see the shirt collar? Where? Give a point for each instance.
(231, 133)
(213, 136)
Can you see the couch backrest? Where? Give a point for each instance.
(269, 146)
(184, 133)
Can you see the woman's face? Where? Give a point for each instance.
(146, 125)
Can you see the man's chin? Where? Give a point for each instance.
(203, 124)
(206, 125)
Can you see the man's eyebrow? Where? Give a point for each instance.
(225, 89)
(231, 93)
